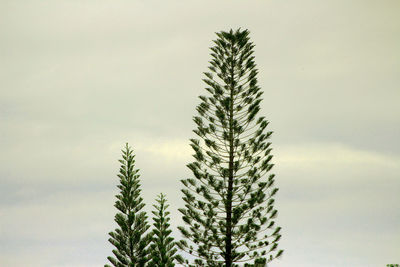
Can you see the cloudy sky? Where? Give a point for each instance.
(78, 79)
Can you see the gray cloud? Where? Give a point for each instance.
(78, 79)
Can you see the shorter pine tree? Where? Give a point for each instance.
(162, 246)
(130, 239)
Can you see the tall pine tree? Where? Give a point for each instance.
(130, 238)
(229, 211)
(162, 247)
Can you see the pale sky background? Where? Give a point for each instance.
(78, 79)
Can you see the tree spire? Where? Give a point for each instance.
(229, 210)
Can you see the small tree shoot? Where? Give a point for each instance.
(162, 246)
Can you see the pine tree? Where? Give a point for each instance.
(229, 211)
(130, 239)
(162, 246)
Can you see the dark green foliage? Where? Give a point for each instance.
(162, 247)
(130, 239)
(229, 211)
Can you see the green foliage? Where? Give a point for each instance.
(130, 239)
(229, 206)
(162, 246)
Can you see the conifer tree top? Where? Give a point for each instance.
(229, 209)
(130, 238)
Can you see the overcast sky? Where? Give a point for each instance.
(78, 79)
